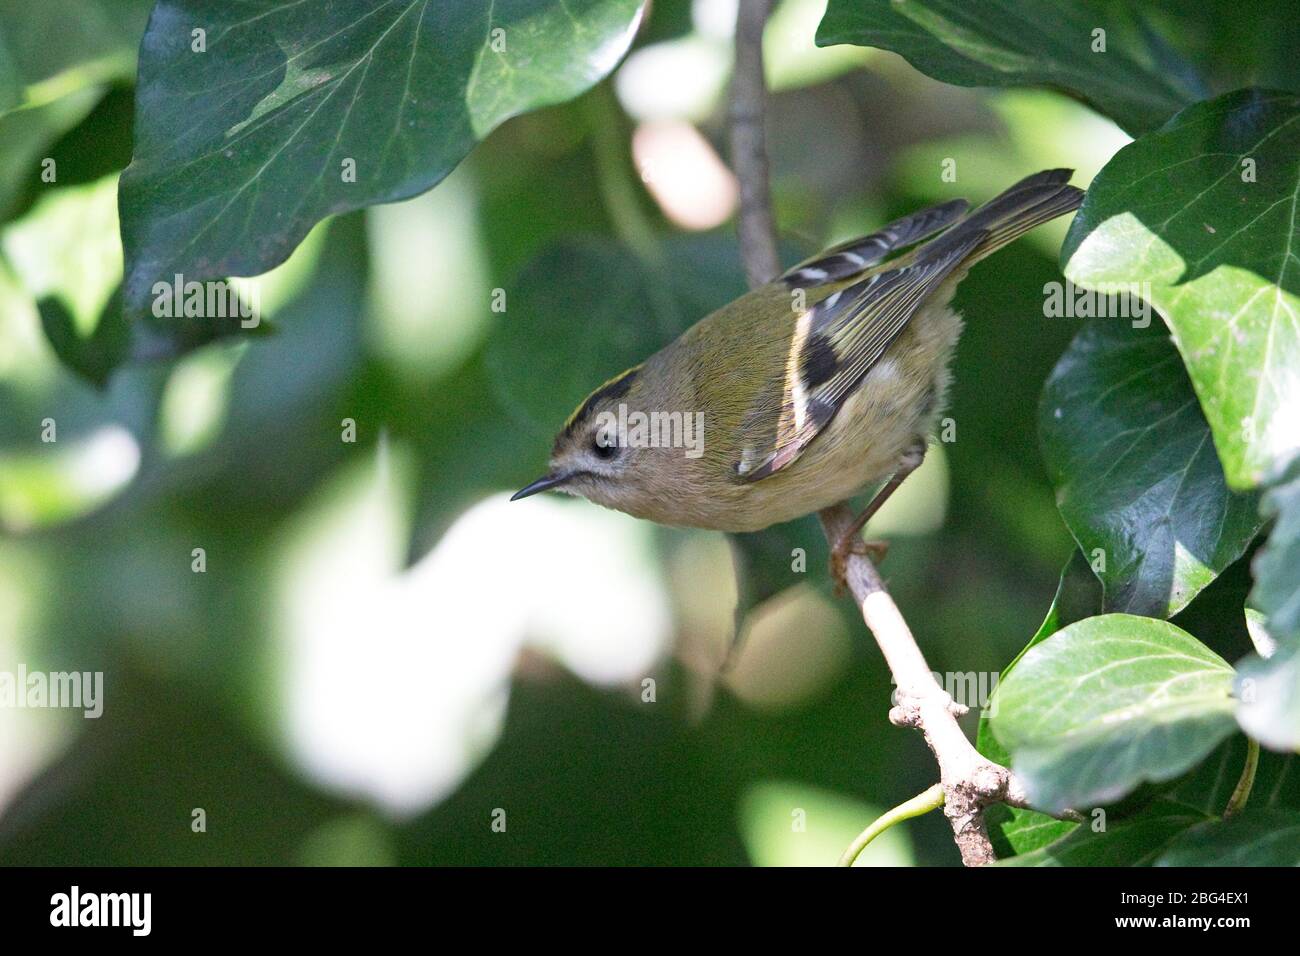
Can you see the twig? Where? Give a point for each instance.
(970, 780)
(924, 802)
(755, 226)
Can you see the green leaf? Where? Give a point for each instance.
(1269, 691)
(1028, 43)
(1110, 702)
(1137, 479)
(1209, 786)
(242, 148)
(1277, 567)
(1015, 830)
(1202, 214)
(55, 47)
(1269, 688)
(25, 138)
(1137, 841)
(94, 356)
(1253, 838)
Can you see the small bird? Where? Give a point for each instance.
(802, 393)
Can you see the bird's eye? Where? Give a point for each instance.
(603, 448)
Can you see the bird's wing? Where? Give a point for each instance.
(836, 342)
(839, 339)
(856, 255)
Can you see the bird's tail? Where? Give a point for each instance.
(1031, 202)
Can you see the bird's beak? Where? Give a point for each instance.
(541, 484)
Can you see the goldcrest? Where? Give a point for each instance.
(804, 392)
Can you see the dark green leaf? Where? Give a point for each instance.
(1208, 787)
(242, 148)
(1110, 702)
(1202, 213)
(1253, 838)
(1136, 475)
(95, 356)
(1026, 43)
(1137, 841)
(1232, 50)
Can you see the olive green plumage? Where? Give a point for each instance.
(804, 391)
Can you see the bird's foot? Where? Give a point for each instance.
(852, 543)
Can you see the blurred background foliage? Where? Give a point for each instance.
(380, 652)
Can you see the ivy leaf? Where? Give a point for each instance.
(1256, 837)
(1136, 476)
(1110, 702)
(1136, 79)
(278, 113)
(95, 355)
(1202, 216)
(1269, 688)
(1277, 567)
(1137, 841)
(1016, 830)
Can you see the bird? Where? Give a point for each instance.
(802, 393)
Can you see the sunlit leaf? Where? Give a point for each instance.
(1269, 688)
(1015, 829)
(1277, 567)
(1110, 702)
(1201, 217)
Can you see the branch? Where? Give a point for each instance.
(970, 781)
(755, 226)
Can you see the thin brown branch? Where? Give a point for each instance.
(755, 226)
(971, 781)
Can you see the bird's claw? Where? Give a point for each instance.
(853, 544)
